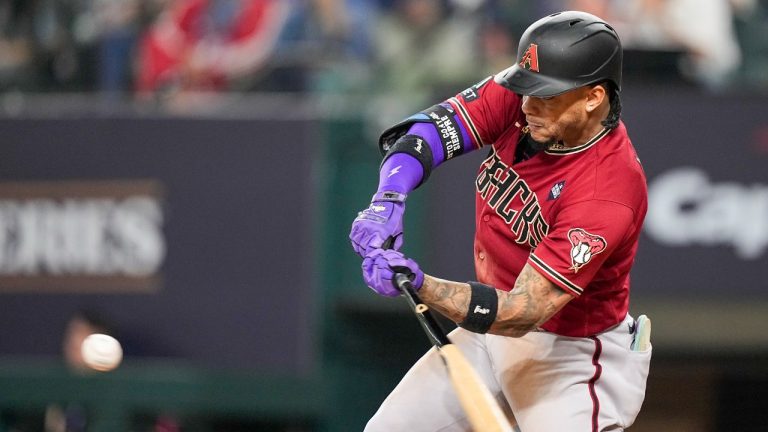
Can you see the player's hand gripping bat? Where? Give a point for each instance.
(483, 411)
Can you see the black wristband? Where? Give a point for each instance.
(482, 308)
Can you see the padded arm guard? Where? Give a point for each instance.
(450, 133)
(415, 146)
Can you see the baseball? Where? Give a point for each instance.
(581, 253)
(102, 352)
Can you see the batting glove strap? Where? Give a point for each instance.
(482, 308)
(390, 196)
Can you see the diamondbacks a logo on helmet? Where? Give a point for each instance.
(530, 58)
(584, 246)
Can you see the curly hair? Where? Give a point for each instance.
(614, 114)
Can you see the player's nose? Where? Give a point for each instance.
(530, 105)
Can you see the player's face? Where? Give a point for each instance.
(562, 118)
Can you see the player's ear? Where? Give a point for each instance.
(596, 94)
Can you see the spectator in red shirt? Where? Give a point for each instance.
(208, 45)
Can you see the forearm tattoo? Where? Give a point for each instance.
(532, 302)
(447, 297)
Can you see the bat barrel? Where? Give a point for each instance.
(482, 410)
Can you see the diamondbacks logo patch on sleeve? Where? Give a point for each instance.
(584, 246)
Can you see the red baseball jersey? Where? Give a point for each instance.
(574, 214)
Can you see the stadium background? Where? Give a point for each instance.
(200, 205)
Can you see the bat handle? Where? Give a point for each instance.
(388, 243)
(402, 281)
(428, 323)
(431, 327)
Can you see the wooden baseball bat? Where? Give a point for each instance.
(482, 410)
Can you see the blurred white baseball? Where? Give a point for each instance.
(102, 352)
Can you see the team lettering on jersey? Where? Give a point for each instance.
(504, 191)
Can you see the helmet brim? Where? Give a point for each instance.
(524, 82)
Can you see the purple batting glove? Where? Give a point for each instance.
(380, 266)
(382, 220)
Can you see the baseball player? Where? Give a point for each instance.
(560, 201)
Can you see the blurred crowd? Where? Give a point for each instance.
(164, 49)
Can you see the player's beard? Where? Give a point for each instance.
(548, 140)
(542, 145)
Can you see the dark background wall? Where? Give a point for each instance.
(235, 285)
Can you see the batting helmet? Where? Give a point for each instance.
(564, 51)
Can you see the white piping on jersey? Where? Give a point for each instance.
(577, 149)
(564, 282)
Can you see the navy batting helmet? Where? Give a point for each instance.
(564, 51)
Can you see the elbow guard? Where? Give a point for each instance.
(415, 146)
(450, 138)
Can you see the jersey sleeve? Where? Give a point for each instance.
(580, 241)
(487, 110)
